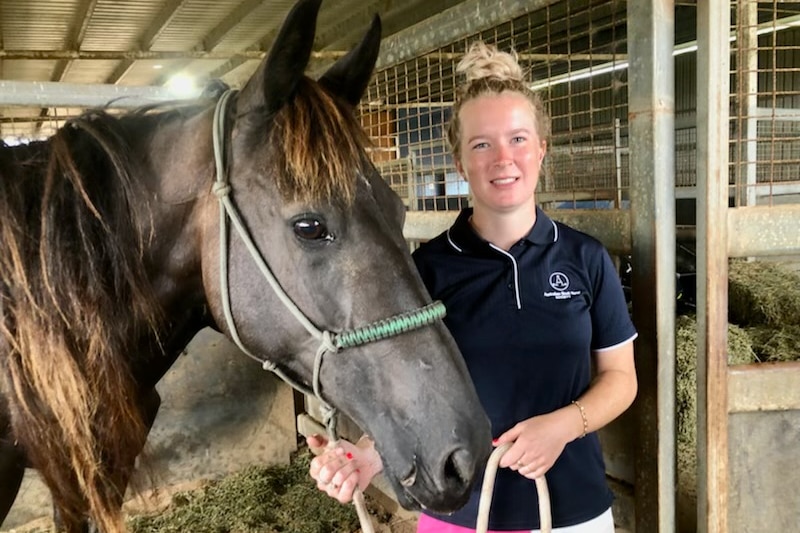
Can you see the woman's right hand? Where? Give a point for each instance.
(343, 466)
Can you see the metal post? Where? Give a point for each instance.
(618, 161)
(651, 112)
(746, 187)
(713, 90)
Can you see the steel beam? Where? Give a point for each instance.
(59, 94)
(465, 19)
(651, 123)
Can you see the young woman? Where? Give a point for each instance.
(532, 304)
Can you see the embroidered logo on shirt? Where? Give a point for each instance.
(560, 283)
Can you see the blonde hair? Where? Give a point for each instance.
(489, 71)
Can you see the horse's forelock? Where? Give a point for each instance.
(319, 147)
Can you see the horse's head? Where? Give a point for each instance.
(329, 229)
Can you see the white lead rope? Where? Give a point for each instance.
(545, 518)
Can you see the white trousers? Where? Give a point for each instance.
(601, 524)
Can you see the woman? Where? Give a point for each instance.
(531, 303)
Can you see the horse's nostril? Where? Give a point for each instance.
(410, 478)
(458, 466)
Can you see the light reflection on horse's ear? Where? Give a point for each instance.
(112, 259)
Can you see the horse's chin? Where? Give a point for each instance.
(419, 498)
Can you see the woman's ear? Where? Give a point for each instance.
(544, 152)
(460, 168)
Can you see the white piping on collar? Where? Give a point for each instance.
(555, 229)
(516, 273)
(459, 250)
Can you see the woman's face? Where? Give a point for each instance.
(501, 151)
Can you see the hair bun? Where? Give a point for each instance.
(486, 61)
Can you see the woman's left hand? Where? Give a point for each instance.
(537, 443)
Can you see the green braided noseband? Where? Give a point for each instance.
(389, 327)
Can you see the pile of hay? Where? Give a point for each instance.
(764, 298)
(740, 351)
(256, 499)
(763, 294)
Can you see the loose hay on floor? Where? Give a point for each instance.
(257, 499)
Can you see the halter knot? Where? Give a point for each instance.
(327, 343)
(221, 189)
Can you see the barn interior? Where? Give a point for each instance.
(675, 141)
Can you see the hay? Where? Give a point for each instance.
(776, 344)
(740, 351)
(763, 293)
(255, 500)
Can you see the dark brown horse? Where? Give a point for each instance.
(121, 237)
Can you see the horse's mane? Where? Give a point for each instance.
(74, 292)
(318, 147)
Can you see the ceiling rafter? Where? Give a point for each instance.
(216, 35)
(395, 17)
(333, 23)
(162, 20)
(80, 22)
(115, 54)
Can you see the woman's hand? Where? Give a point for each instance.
(343, 466)
(537, 443)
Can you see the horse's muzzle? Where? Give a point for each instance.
(445, 487)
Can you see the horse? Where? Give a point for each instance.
(258, 214)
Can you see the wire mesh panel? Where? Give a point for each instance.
(765, 111)
(574, 55)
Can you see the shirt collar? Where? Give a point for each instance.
(463, 237)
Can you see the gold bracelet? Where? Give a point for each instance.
(579, 405)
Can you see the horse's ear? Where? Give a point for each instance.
(350, 75)
(277, 77)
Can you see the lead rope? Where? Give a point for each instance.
(545, 518)
(330, 342)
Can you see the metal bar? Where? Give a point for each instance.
(148, 54)
(764, 387)
(612, 227)
(748, 103)
(609, 226)
(764, 230)
(651, 126)
(713, 88)
(450, 25)
(771, 190)
(52, 94)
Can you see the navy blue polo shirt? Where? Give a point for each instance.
(526, 321)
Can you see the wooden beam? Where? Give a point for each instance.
(713, 88)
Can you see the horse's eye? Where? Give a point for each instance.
(312, 229)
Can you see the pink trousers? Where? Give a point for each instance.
(601, 524)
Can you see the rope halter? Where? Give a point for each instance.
(329, 342)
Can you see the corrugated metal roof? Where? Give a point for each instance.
(145, 42)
